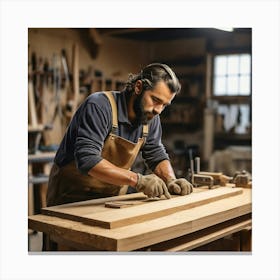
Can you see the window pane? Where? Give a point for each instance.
(220, 65)
(245, 64)
(232, 85)
(244, 85)
(220, 86)
(232, 74)
(233, 64)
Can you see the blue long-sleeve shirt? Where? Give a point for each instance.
(92, 123)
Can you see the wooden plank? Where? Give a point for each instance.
(204, 236)
(183, 243)
(155, 209)
(149, 209)
(75, 210)
(147, 233)
(121, 204)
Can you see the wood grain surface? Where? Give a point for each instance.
(153, 231)
(95, 213)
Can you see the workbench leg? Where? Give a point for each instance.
(246, 240)
(235, 240)
(48, 244)
(44, 187)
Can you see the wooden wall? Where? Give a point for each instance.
(115, 57)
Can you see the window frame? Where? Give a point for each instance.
(230, 98)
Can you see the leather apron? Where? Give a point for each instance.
(67, 184)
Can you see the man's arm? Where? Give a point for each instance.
(107, 172)
(151, 185)
(165, 171)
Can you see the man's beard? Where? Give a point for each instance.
(142, 116)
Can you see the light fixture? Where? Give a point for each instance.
(228, 29)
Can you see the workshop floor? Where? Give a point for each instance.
(35, 241)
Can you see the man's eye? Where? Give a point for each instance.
(155, 100)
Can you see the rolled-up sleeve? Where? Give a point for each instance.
(154, 151)
(93, 128)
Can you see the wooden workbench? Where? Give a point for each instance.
(170, 227)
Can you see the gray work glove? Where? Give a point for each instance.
(152, 186)
(179, 186)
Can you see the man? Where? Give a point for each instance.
(106, 134)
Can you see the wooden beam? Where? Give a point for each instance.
(120, 31)
(204, 236)
(92, 40)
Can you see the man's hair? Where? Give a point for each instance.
(151, 75)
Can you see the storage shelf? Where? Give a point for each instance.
(180, 126)
(233, 136)
(223, 140)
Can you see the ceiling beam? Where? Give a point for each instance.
(120, 31)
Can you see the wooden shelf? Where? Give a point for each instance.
(234, 136)
(180, 126)
(187, 61)
(223, 140)
(181, 99)
(238, 99)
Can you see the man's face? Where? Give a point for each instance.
(150, 103)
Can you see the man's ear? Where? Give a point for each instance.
(138, 87)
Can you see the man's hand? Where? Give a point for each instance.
(152, 186)
(179, 186)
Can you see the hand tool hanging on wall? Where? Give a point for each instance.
(56, 87)
(64, 62)
(67, 84)
(72, 91)
(76, 81)
(37, 76)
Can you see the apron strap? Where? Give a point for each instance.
(112, 100)
(114, 111)
(145, 132)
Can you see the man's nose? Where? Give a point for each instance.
(158, 109)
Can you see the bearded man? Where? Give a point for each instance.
(106, 134)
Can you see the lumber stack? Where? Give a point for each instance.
(90, 224)
(139, 210)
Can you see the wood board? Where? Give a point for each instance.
(75, 210)
(99, 215)
(204, 236)
(140, 235)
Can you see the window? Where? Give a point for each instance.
(232, 75)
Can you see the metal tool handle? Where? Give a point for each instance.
(197, 164)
